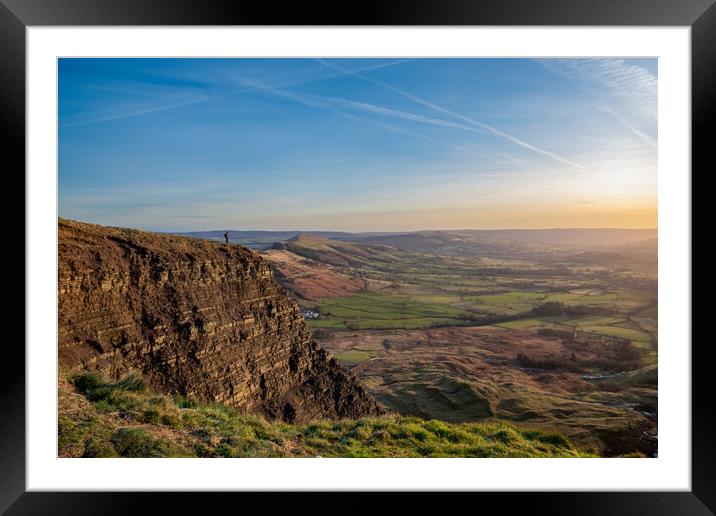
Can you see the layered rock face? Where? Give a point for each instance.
(197, 318)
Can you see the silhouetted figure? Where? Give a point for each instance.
(226, 236)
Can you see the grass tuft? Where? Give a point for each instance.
(127, 419)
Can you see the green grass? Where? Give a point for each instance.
(557, 321)
(508, 298)
(193, 429)
(647, 376)
(522, 324)
(569, 298)
(385, 311)
(595, 320)
(514, 302)
(640, 338)
(366, 311)
(618, 331)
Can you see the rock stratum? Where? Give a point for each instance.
(196, 318)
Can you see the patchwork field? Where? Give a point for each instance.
(624, 312)
(554, 337)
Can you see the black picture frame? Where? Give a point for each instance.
(16, 15)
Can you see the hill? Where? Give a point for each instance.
(509, 241)
(126, 419)
(533, 333)
(196, 318)
(451, 242)
(256, 239)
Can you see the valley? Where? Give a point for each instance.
(540, 329)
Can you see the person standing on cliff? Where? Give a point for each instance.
(226, 236)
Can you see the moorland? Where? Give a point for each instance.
(553, 330)
(472, 343)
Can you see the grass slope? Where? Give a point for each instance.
(125, 419)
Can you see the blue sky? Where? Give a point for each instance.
(358, 144)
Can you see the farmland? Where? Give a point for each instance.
(543, 335)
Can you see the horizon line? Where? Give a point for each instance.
(411, 230)
(399, 231)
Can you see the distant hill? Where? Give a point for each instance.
(331, 251)
(501, 241)
(257, 239)
(565, 237)
(447, 243)
(454, 242)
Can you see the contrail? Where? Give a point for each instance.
(166, 107)
(297, 97)
(394, 129)
(641, 135)
(380, 110)
(327, 103)
(128, 114)
(464, 118)
(324, 103)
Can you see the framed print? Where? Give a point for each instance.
(427, 248)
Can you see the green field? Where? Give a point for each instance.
(461, 375)
(394, 311)
(533, 322)
(601, 325)
(618, 331)
(429, 290)
(354, 356)
(515, 297)
(383, 311)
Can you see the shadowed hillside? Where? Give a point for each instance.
(195, 318)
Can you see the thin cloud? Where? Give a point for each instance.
(403, 115)
(97, 118)
(330, 103)
(400, 130)
(464, 118)
(275, 81)
(629, 91)
(302, 99)
(621, 81)
(639, 134)
(145, 110)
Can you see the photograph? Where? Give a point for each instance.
(393, 257)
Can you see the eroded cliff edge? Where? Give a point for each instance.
(197, 318)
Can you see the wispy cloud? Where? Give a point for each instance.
(158, 103)
(459, 116)
(334, 105)
(403, 115)
(127, 112)
(648, 140)
(629, 91)
(622, 81)
(421, 136)
(308, 74)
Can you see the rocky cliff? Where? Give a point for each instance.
(197, 318)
